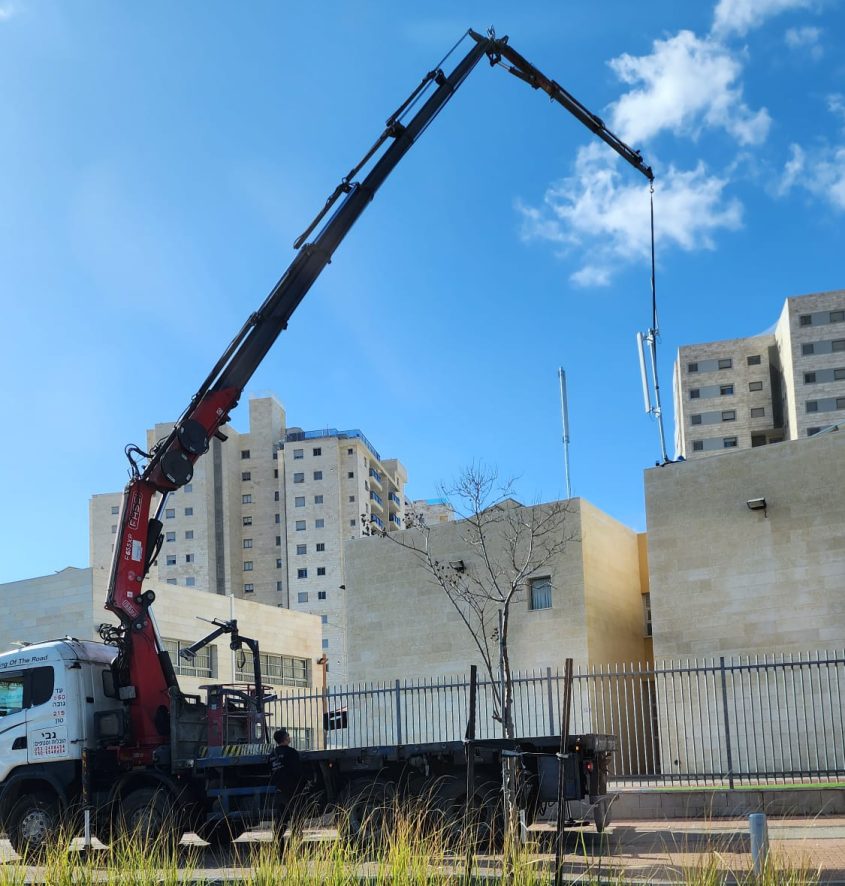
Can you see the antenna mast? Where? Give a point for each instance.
(564, 420)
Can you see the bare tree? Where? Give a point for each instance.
(506, 545)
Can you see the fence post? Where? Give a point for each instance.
(727, 724)
(552, 730)
(398, 713)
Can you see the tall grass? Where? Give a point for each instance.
(400, 845)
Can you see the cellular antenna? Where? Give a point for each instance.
(564, 420)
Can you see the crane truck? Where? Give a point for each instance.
(105, 725)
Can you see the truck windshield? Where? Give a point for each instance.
(11, 694)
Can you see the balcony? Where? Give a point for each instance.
(376, 498)
(395, 499)
(377, 520)
(396, 520)
(375, 476)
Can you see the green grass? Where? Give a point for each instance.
(405, 846)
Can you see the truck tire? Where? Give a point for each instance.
(366, 810)
(33, 824)
(148, 815)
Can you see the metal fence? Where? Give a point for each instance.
(719, 721)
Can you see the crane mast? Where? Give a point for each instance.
(143, 671)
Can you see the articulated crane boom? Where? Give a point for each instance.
(143, 671)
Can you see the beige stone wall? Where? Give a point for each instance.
(726, 580)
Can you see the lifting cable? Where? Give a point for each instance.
(654, 335)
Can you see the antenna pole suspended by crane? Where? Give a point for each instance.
(564, 420)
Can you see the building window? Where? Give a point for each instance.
(729, 415)
(838, 344)
(276, 495)
(319, 523)
(302, 573)
(246, 475)
(188, 487)
(692, 367)
(189, 512)
(321, 595)
(318, 475)
(324, 619)
(758, 440)
(755, 386)
(299, 501)
(318, 499)
(754, 360)
(202, 665)
(811, 432)
(758, 411)
(647, 614)
(349, 452)
(837, 316)
(249, 588)
(809, 378)
(726, 363)
(807, 348)
(321, 570)
(540, 593)
(695, 419)
(840, 402)
(694, 393)
(278, 562)
(698, 446)
(302, 597)
(301, 549)
(352, 522)
(275, 473)
(171, 559)
(281, 670)
(247, 521)
(325, 644)
(247, 542)
(351, 498)
(247, 565)
(726, 390)
(839, 374)
(279, 586)
(170, 536)
(321, 546)
(300, 525)
(115, 509)
(189, 558)
(299, 453)
(350, 475)
(812, 406)
(244, 453)
(278, 541)
(170, 513)
(299, 478)
(189, 534)
(246, 499)
(805, 320)
(114, 529)
(171, 581)
(729, 443)
(190, 581)
(318, 450)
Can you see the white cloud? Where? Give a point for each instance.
(741, 16)
(607, 217)
(836, 105)
(7, 10)
(805, 39)
(685, 84)
(820, 172)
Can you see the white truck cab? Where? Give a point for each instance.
(49, 696)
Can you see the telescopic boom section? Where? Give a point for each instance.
(143, 669)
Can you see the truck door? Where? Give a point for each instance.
(13, 737)
(47, 714)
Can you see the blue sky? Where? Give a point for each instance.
(158, 160)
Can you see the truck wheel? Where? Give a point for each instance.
(33, 824)
(366, 810)
(148, 815)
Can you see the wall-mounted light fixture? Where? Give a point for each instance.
(758, 504)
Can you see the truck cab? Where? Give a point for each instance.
(50, 695)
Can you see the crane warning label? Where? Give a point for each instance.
(49, 743)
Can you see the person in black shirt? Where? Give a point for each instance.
(285, 776)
